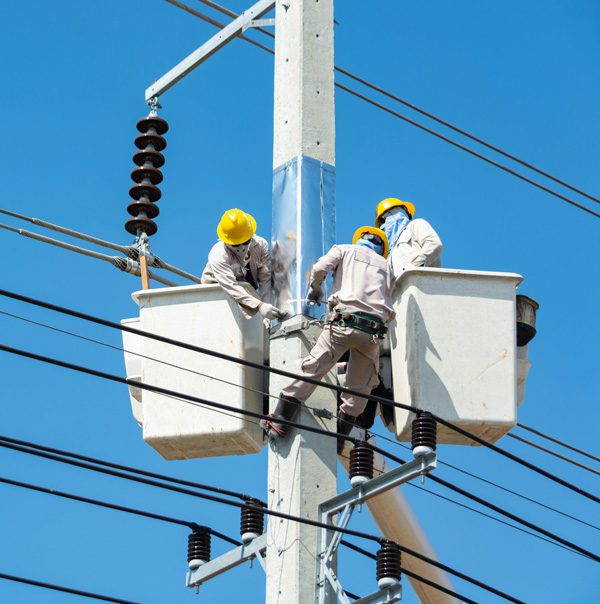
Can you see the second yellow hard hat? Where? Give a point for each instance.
(374, 231)
(388, 204)
(236, 227)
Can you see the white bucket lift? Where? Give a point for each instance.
(203, 315)
(454, 351)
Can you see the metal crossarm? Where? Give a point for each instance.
(343, 505)
(226, 35)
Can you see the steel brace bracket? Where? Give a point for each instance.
(328, 540)
(213, 568)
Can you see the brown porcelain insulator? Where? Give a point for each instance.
(145, 140)
(133, 225)
(152, 174)
(135, 208)
(138, 191)
(153, 157)
(152, 121)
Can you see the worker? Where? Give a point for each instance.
(241, 256)
(361, 307)
(413, 243)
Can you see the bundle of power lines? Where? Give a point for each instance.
(247, 502)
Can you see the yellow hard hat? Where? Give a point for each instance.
(236, 227)
(374, 231)
(388, 204)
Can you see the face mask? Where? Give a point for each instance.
(394, 223)
(239, 251)
(378, 249)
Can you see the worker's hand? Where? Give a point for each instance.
(270, 312)
(315, 295)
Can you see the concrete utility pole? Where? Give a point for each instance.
(302, 467)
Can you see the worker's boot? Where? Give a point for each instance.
(287, 407)
(345, 424)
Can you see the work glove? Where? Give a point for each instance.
(315, 295)
(270, 312)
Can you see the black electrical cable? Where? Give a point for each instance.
(118, 379)
(240, 505)
(246, 363)
(493, 484)
(554, 453)
(425, 128)
(68, 590)
(558, 442)
(408, 573)
(370, 432)
(117, 507)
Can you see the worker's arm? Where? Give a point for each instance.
(429, 241)
(264, 272)
(324, 265)
(226, 279)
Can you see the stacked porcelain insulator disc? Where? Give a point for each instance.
(146, 176)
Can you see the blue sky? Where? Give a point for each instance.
(522, 75)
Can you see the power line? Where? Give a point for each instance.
(495, 484)
(557, 441)
(160, 390)
(408, 573)
(266, 368)
(239, 505)
(99, 342)
(415, 123)
(554, 453)
(68, 590)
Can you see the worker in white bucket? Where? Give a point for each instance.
(241, 256)
(413, 242)
(361, 308)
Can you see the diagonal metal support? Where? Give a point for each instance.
(255, 549)
(226, 35)
(344, 504)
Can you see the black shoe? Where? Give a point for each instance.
(287, 407)
(345, 424)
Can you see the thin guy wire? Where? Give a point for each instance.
(554, 453)
(425, 128)
(379, 435)
(68, 590)
(557, 441)
(157, 389)
(266, 368)
(267, 511)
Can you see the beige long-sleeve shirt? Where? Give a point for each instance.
(362, 280)
(226, 269)
(417, 245)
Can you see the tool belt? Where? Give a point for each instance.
(361, 321)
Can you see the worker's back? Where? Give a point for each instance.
(362, 280)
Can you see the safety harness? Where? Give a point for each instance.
(362, 321)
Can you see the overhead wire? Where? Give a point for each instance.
(281, 372)
(157, 389)
(241, 505)
(63, 589)
(554, 453)
(558, 441)
(439, 135)
(370, 432)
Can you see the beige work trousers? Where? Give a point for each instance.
(362, 371)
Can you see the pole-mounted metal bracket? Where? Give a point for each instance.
(344, 504)
(255, 549)
(259, 23)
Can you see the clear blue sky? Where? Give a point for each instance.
(522, 74)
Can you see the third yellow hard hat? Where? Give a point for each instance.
(236, 227)
(374, 231)
(388, 204)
